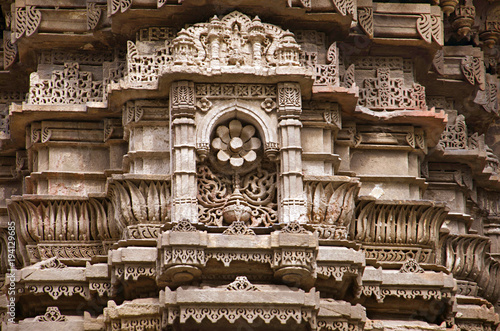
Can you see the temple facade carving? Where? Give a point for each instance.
(300, 164)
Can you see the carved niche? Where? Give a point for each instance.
(235, 183)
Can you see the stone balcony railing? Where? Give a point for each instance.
(466, 256)
(395, 231)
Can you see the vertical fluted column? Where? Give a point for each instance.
(182, 106)
(291, 185)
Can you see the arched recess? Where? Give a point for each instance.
(256, 117)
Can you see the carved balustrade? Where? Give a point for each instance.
(466, 256)
(66, 229)
(394, 231)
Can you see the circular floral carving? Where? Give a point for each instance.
(268, 105)
(236, 144)
(204, 104)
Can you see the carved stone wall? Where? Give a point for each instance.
(279, 165)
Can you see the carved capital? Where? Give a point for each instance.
(182, 98)
(289, 97)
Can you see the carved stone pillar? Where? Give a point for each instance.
(182, 108)
(291, 190)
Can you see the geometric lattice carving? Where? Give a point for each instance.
(386, 93)
(454, 135)
(328, 74)
(67, 86)
(325, 65)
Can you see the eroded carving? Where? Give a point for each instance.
(241, 283)
(233, 42)
(51, 315)
(329, 209)
(67, 86)
(386, 93)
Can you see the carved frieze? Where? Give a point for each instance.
(285, 308)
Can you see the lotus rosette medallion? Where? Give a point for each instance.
(236, 144)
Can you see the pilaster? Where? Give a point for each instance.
(182, 108)
(292, 196)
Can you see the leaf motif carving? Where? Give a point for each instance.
(424, 27)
